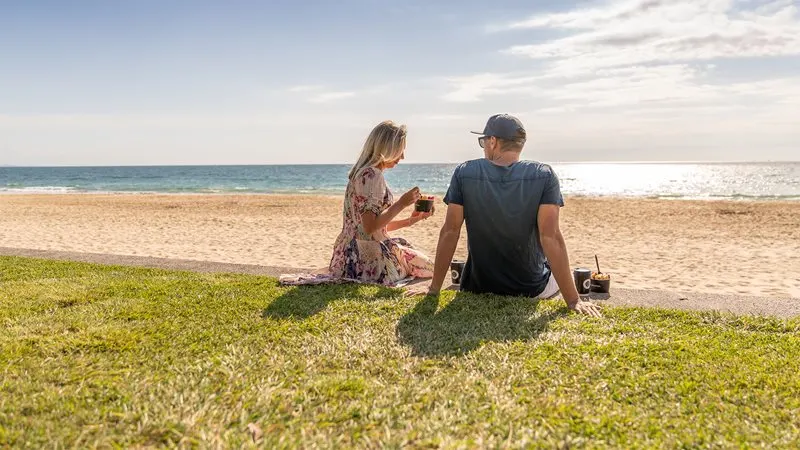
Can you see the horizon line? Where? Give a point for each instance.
(408, 164)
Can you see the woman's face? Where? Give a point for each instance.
(392, 164)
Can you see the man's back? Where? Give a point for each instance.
(501, 205)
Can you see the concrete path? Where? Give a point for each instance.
(742, 305)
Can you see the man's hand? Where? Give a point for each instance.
(587, 308)
(420, 290)
(555, 249)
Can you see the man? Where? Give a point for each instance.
(512, 212)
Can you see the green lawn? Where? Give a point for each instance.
(115, 356)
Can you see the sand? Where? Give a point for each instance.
(718, 247)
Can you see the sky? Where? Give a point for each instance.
(152, 82)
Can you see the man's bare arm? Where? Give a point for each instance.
(556, 251)
(448, 241)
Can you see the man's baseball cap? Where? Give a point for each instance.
(503, 126)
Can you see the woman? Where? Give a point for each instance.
(364, 251)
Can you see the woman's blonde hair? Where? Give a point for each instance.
(384, 144)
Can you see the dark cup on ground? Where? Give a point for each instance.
(456, 269)
(424, 205)
(583, 281)
(601, 286)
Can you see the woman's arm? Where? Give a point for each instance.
(399, 224)
(372, 222)
(416, 216)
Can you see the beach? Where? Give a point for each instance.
(724, 247)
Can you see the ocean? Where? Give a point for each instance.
(768, 181)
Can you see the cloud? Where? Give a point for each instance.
(656, 31)
(326, 97)
(180, 121)
(646, 54)
(591, 17)
(440, 117)
(318, 93)
(472, 88)
(305, 88)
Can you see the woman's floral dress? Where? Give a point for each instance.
(375, 258)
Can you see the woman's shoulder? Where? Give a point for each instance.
(368, 174)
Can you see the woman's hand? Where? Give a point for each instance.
(415, 217)
(409, 198)
(418, 216)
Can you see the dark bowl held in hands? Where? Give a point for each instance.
(424, 205)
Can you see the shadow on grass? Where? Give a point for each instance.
(305, 301)
(469, 321)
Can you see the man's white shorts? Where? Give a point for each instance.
(551, 290)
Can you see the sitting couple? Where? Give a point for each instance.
(511, 208)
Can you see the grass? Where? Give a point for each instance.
(103, 356)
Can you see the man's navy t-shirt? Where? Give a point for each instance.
(501, 206)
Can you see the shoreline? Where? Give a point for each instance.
(716, 247)
(157, 193)
(331, 194)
